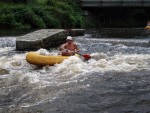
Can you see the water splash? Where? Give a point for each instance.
(7, 42)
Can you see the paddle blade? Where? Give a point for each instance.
(86, 56)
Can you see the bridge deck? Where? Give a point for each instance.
(115, 3)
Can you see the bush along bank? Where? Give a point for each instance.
(41, 14)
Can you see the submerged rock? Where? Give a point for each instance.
(3, 71)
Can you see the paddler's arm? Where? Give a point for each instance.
(62, 47)
(76, 49)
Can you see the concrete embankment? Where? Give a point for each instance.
(45, 38)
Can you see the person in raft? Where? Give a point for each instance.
(69, 48)
(148, 23)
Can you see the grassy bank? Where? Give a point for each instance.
(34, 14)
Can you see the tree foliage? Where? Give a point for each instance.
(28, 14)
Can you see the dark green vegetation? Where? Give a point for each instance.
(35, 14)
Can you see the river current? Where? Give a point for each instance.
(115, 80)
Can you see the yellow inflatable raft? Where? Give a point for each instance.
(147, 27)
(42, 60)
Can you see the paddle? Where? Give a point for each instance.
(86, 56)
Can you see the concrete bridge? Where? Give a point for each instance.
(114, 3)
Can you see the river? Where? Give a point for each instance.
(115, 80)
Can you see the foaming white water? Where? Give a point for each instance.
(36, 80)
(43, 51)
(7, 41)
(6, 49)
(122, 63)
(72, 70)
(73, 67)
(43, 84)
(101, 62)
(16, 61)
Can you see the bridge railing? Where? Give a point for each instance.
(115, 3)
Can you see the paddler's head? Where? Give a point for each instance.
(69, 39)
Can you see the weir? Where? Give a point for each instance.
(128, 42)
(45, 38)
(7, 42)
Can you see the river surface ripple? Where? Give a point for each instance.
(115, 80)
